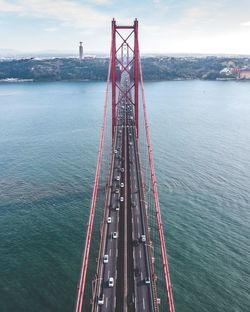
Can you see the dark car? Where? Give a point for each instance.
(136, 242)
(137, 272)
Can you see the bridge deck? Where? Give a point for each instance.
(128, 258)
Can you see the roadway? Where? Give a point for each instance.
(128, 258)
(144, 298)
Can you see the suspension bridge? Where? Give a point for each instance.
(124, 263)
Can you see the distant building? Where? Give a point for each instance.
(81, 51)
(231, 64)
(244, 73)
(226, 71)
(237, 72)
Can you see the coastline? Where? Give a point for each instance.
(95, 69)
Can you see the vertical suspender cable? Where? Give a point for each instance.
(157, 205)
(85, 258)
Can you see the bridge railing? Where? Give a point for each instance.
(87, 283)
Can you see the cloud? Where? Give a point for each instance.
(247, 24)
(196, 12)
(164, 25)
(50, 29)
(70, 12)
(102, 1)
(9, 7)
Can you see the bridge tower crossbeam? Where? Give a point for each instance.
(118, 61)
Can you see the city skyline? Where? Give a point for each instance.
(191, 26)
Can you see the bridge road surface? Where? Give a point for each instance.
(141, 298)
(144, 298)
(111, 244)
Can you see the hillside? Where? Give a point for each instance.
(154, 68)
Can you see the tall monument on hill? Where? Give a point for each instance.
(80, 51)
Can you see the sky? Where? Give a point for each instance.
(165, 26)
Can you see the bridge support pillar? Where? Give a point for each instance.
(121, 63)
(113, 73)
(136, 74)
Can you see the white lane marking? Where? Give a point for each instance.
(143, 303)
(114, 302)
(115, 274)
(140, 253)
(108, 273)
(116, 253)
(110, 252)
(106, 304)
(141, 276)
(137, 220)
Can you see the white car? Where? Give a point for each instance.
(106, 259)
(147, 280)
(143, 238)
(117, 208)
(118, 178)
(109, 220)
(122, 184)
(115, 151)
(122, 199)
(115, 235)
(101, 300)
(111, 282)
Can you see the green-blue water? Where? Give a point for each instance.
(49, 134)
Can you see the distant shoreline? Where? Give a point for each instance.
(16, 81)
(96, 69)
